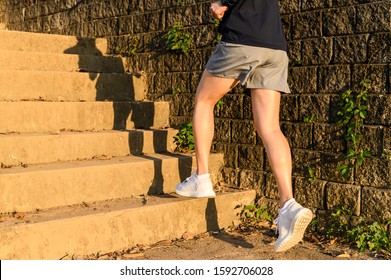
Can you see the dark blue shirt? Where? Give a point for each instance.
(253, 23)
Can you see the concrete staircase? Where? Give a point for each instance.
(87, 163)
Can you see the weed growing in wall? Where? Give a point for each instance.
(130, 48)
(252, 215)
(363, 235)
(219, 104)
(177, 39)
(312, 174)
(176, 90)
(310, 119)
(215, 23)
(184, 139)
(352, 113)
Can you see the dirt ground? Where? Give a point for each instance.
(237, 245)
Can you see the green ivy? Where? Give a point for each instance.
(364, 235)
(178, 39)
(312, 174)
(370, 236)
(338, 223)
(352, 113)
(219, 104)
(252, 215)
(132, 47)
(184, 139)
(310, 119)
(176, 90)
(215, 23)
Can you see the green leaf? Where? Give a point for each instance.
(367, 154)
(351, 153)
(359, 160)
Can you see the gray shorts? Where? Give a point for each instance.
(254, 67)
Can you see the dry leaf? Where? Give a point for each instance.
(188, 235)
(264, 224)
(20, 215)
(346, 256)
(164, 242)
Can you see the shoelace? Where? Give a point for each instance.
(189, 178)
(276, 223)
(192, 177)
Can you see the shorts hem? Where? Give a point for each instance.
(220, 75)
(269, 88)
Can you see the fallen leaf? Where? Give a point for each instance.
(20, 215)
(316, 240)
(164, 242)
(264, 224)
(346, 256)
(2, 219)
(188, 235)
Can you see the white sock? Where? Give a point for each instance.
(203, 176)
(286, 205)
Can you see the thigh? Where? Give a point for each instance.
(212, 88)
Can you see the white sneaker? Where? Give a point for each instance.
(291, 225)
(195, 186)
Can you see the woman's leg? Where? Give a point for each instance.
(293, 219)
(210, 90)
(266, 110)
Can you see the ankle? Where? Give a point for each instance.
(203, 176)
(285, 204)
(201, 172)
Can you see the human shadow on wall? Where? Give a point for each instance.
(112, 86)
(115, 89)
(138, 146)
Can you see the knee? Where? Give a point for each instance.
(269, 134)
(205, 100)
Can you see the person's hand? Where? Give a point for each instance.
(217, 9)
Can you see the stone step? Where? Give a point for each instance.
(66, 86)
(49, 43)
(27, 149)
(41, 117)
(40, 61)
(61, 184)
(116, 225)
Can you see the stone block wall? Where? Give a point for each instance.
(333, 44)
(2, 12)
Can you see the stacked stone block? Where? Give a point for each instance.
(333, 45)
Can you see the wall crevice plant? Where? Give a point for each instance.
(352, 113)
(177, 39)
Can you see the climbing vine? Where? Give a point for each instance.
(352, 113)
(177, 39)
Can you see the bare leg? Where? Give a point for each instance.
(210, 89)
(266, 109)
